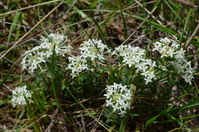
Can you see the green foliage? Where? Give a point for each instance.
(80, 100)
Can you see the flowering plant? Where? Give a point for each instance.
(103, 71)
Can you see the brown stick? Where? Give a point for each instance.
(50, 126)
(193, 34)
(186, 3)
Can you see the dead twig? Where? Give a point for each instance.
(96, 124)
(193, 34)
(186, 3)
(139, 26)
(52, 123)
(83, 123)
(150, 13)
(64, 122)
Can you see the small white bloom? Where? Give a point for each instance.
(163, 67)
(135, 56)
(147, 69)
(19, 96)
(184, 68)
(77, 64)
(170, 48)
(39, 54)
(119, 98)
(166, 47)
(55, 42)
(32, 60)
(57, 38)
(180, 54)
(131, 55)
(93, 49)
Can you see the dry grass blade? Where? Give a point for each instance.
(49, 128)
(135, 44)
(32, 6)
(13, 46)
(193, 34)
(186, 3)
(149, 13)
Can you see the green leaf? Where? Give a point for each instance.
(152, 120)
(190, 105)
(13, 25)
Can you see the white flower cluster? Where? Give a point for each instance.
(118, 97)
(170, 48)
(93, 49)
(77, 64)
(55, 42)
(39, 54)
(131, 55)
(147, 69)
(135, 56)
(166, 47)
(183, 66)
(19, 96)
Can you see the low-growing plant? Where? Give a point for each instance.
(121, 75)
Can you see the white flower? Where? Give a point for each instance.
(93, 49)
(131, 55)
(184, 68)
(119, 98)
(147, 69)
(54, 42)
(77, 64)
(19, 96)
(166, 47)
(33, 58)
(57, 38)
(180, 54)
(170, 48)
(163, 67)
(135, 56)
